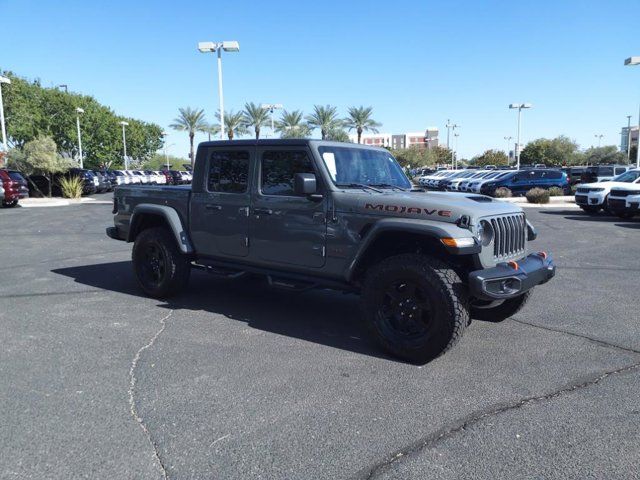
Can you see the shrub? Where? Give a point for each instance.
(71, 187)
(538, 195)
(556, 192)
(574, 188)
(503, 192)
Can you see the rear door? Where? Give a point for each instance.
(286, 229)
(220, 207)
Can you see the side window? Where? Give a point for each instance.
(279, 169)
(605, 171)
(620, 170)
(536, 175)
(228, 172)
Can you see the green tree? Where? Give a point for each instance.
(556, 151)
(359, 119)
(32, 110)
(255, 117)
(191, 121)
(608, 154)
(338, 135)
(291, 125)
(324, 118)
(490, 157)
(41, 156)
(234, 124)
(159, 162)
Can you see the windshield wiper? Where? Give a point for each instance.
(388, 185)
(358, 185)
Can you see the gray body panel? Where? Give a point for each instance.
(323, 237)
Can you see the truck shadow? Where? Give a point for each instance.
(583, 217)
(320, 316)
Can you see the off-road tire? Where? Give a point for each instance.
(506, 309)
(10, 204)
(172, 276)
(444, 322)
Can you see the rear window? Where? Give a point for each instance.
(16, 176)
(605, 171)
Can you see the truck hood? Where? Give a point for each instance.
(439, 206)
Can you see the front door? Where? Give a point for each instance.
(220, 210)
(286, 229)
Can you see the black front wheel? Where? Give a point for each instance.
(590, 209)
(415, 306)
(10, 204)
(159, 266)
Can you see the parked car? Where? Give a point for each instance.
(463, 186)
(133, 178)
(574, 174)
(602, 173)
(475, 185)
(592, 197)
(624, 200)
(111, 175)
(11, 189)
(311, 213)
(24, 185)
(176, 177)
(168, 177)
(186, 176)
(521, 181)
(104, 184)
(121, 177)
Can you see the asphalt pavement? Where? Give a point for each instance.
(234, 380)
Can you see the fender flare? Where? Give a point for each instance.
(433, 230)
(171, 217)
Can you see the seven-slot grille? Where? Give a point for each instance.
(624, 193)
(510, 233)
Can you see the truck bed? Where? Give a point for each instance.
(127, 197)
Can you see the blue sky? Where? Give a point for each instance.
(417, 63)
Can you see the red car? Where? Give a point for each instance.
(11, 189)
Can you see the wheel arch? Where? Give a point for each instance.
(148, 215)
(388, 237)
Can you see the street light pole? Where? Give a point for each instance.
(227, 46)
(271, 107)
(124, 145)
(79, 111)
(599, 137)
(519, 106)
(635, 61)
(2, 125)
(455, 150)
(508, 139)
(628, 138)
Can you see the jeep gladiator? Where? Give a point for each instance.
(310, 213)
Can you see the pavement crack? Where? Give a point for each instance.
(461, 425)
(132, 401)
(578, 335)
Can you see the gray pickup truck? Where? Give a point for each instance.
(309, 213)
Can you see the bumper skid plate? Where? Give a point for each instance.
(504, 281)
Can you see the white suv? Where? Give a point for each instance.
(591, 197)
(624, 201)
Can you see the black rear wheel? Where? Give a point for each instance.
(160, 268)
(415, 306)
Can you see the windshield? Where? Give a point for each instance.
(351, 166)
(628, 177)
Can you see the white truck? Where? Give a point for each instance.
(624, 201)
(592, 197)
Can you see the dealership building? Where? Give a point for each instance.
(425, 139)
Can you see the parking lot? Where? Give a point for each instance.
(235, 380)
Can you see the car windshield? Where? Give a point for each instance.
(628, 177)
(359, 166)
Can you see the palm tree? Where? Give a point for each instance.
(360, 119)
(325, 118)
(213, 129)
(192, 121)
(291, 125)
(234, 124)
(255, 117)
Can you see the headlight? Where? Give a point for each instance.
(485, 233)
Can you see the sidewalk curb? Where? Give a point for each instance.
(58, 202)
(554, 202)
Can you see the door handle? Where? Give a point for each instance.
(262, 211)
(210, 206)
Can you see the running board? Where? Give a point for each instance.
(220, 271)
(286, 284)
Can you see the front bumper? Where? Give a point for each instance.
(504, 281)
(112, 232)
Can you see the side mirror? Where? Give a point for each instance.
(304, 184)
